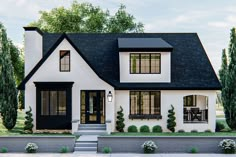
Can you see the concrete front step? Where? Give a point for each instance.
(85, 149)
(92, 128)
(84, 152)
(92, 125)
(90, 132)
(86, 144)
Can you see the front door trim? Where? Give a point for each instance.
(98, 114)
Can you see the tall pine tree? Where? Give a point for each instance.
(8, 92)
(228, 81)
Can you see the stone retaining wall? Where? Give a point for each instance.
(45, 143)
(170, 144)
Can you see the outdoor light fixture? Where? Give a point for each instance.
(109, 96)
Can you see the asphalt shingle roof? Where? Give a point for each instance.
(190, 66)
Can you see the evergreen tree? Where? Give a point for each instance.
(171, 119)
(29, 122)
(228, 78)
(120, 120)
(8, 92)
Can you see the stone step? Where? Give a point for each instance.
(91, 128)
(86, 144)
(85, 149)
(84, 152)
(90, 132)
(92, 125)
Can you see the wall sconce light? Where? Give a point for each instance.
(109, 97)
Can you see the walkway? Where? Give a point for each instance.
(113, 155)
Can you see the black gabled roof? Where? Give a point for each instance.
(190, 66)
(143, 44)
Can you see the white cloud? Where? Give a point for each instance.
(218, 24)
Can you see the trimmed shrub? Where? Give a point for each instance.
(29, 122)
(3, 150)
(149, 147)
(132, 128)
(219, 126)
(226, 130)
(106, 150)
(144, 128)
(157, 128)
(171, 119)
(120, 120)
(208, 130)
(194, 131)
(193, 150)
(181, 131)
(64, 149)
(31, 148)
(228, 146)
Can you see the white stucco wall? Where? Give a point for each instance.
(83, 76)
(33, 49)
(164, 76)
(175, 98)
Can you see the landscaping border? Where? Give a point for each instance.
(166, 144)
(45, 143)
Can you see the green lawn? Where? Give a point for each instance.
(181, 134)
(176, 134)
(19, 131)
(224, 122)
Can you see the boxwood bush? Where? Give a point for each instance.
(194, 131)
(144, 128)
(157, 128)
(219, 126)
(181, 131)
(132, 128)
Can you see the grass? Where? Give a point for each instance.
(233, 133)
(223, 122)
(176, 134)
(18, 130)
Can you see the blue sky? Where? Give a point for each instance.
(211, 19)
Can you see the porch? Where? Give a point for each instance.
(195, 109)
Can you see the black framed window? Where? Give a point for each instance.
(190, 100)
(53, 102)
(145, 103)
(145, 63)
(64, 61)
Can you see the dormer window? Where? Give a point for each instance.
(145, 63)
(64, 61)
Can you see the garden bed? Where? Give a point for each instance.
(45, 143)
(166, 144)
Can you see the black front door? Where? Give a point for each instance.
(94, 107)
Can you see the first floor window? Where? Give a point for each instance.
(53, 103)
(145, 102)
(190, 101)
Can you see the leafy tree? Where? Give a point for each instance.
(29, 122)
(84, 17)
(228, 78)
(8, 92)
(171, 119)
(120, 120)
(17, 59)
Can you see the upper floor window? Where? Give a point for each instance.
(65, 61)
(145, 63)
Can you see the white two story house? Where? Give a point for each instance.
(83, 78)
